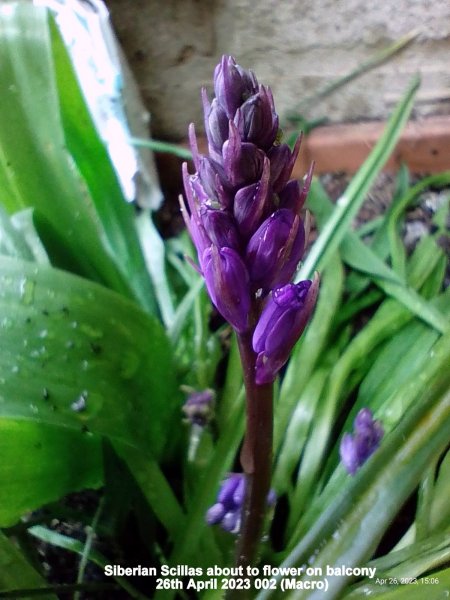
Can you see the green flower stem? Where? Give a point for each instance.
(256, 455)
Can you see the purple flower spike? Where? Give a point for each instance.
(282, 322)
(242, 211)
(230, 500)
(227, 282)
(275, 249)
(356, 448)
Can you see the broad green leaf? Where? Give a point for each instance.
(16, 573)
(35, 168)
(77, 355)
(12, 241)
(41, 463)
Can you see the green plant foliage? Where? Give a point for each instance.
(77, 355)
(89, 375)
(16, 573)
(37, 170)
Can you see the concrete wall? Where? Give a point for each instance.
(294, 46)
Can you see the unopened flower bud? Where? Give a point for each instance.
(199, 407)
(256, 119)
(227, 281)
(251, 203)
(280, 325)
(282, 162)
(230, 500)
(233, 85)
(243, 162)
(275, 249)
(356, 448)
(216, 125)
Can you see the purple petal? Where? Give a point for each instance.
(227, 283)
(280, 325)
(215, 514)
(233, 85)
(251, 203)
(275, 249)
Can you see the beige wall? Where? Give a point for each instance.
(294, 46)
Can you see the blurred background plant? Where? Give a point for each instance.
(102, 322)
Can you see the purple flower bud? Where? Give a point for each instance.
(357, 448)
(282, 162)
(215, 514)
(220, 227)
(226, 492)
(198, 407)
(239, 492)
(227, 282)
(293, 196)
(257, 120)
(230, 500)
(242, 162)
(275, 249)
(216, 125)
(280, 325)
(252, 202)
(233, 85)
(231, 521)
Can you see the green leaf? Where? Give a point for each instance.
(348, 205)
(93, 162)
(16, 573)
(35, 168)
(41, 463)
(362, 258)
(72, 545)
(350, 528)
(77, 355)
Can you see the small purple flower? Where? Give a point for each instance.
(281, 324)
(230, 500)
(198, 407)
(356, 448)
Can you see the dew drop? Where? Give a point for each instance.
(92, 332)
(27, 288)
(79, 405)
(43, 334)
(34, 409)
(6, 323)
